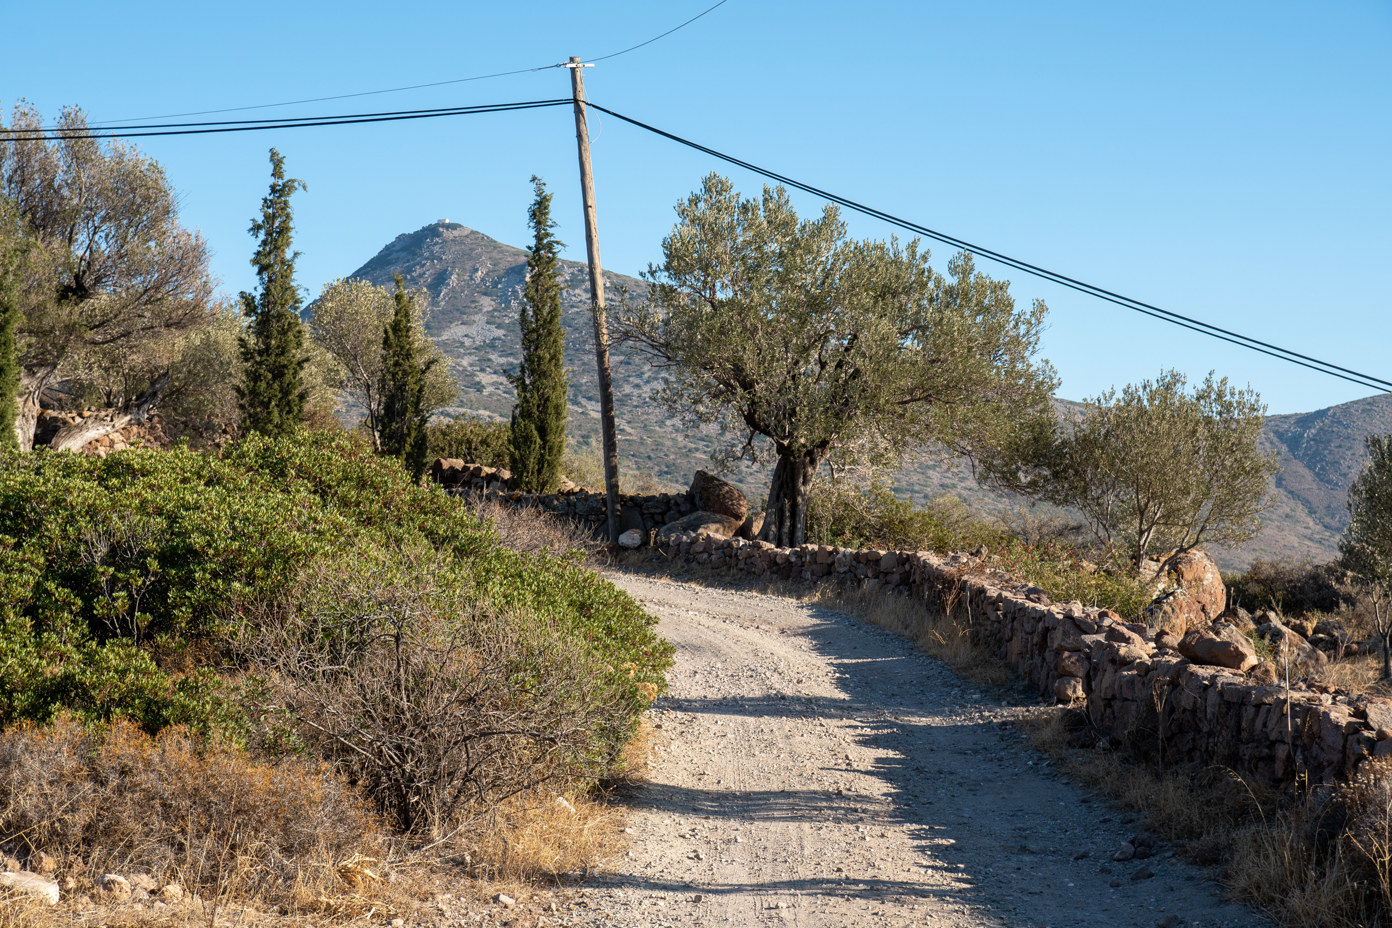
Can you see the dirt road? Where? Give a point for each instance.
(816, 771)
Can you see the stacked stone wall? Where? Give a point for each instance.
(1134, 691)
(645, 512)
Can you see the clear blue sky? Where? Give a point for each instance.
(1228, 160)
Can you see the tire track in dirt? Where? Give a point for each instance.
(816, 771)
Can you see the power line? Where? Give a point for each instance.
(253, 125)
(368, 93)
(656, 37)
(1188, 322)
(341, 96)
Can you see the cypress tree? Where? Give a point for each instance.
(9, 361)
(272, 395)
(403, 388)
(537, 436)
(11, 251)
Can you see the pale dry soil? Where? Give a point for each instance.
(813, 770)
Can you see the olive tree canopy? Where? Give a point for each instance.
(348, 321)
(1159, 467)
(109, 270)
(1366, 547)
(785, 330)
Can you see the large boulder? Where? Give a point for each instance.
(753, 524)
(707, 524)
(1287, 643)
(1186, 590)
(711, 494)
(1219, 645)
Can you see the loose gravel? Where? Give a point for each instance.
(813, 770)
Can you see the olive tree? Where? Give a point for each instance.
(800, 343)
(1159, 467)
(108, 270)
(348, 321)
(1366, 546)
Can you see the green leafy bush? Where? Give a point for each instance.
(128, 580)
(469, 439)
(875, 518)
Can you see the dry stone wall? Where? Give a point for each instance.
(1134, 689)
(647, 513)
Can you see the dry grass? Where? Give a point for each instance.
(206, 816)
(1313, 858)
(541, 837)
(1361, 673)
(535, 530)
(948, 638)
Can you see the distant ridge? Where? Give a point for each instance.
(474, 281)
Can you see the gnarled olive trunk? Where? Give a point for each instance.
(785, 518)
(31, 384)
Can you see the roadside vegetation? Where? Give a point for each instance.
(251, 668)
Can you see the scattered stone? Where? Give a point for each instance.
(1069, 690)
(504, 900)
(31, 884)
(1145, 873)
(1124, 853)
(633, 538)
(1219, 645)
(115, 886)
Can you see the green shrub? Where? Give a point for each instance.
(128, 580)
(470, 439)
(875, 518)
(433, 699)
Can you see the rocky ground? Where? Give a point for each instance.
(816, 771)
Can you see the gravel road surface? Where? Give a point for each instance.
(815, 771)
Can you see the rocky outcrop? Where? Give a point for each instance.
(1287, 645)
(711, 494)
(1187, 591)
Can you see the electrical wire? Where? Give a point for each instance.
(656, 37)
(341, 96)
(1187, 322)
(252, 125)
(107, 123)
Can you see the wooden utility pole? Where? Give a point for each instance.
(608, 430)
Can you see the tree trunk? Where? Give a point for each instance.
(785, 519)
(75, 437)
(31, 384)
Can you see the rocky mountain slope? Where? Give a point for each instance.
(474, 280)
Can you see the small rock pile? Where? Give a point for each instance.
(45, 882)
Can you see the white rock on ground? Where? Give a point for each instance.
(31, 884)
